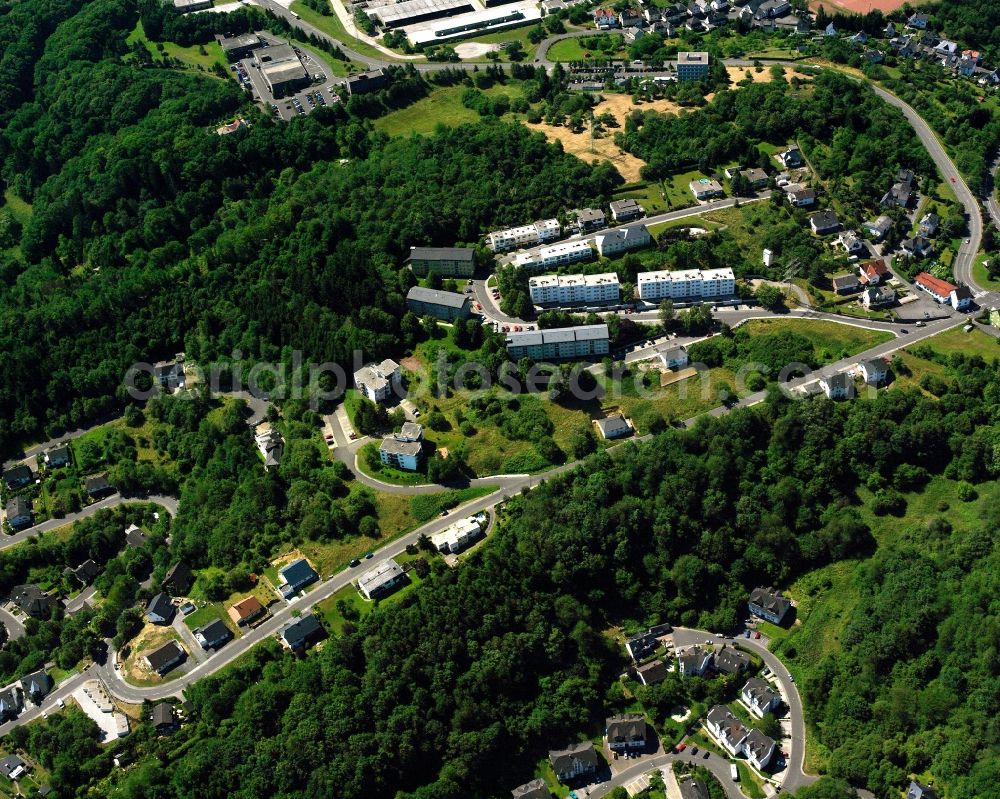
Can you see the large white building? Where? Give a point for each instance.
(686, 284)
(458, 536)
(567, 252)
(632, 237)
(524, 236)
(559, 343)
(569, 289)
(377, 381)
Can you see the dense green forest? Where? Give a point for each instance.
(150, 235)
(862, 138)
(457, 690)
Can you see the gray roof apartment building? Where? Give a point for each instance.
(444, 261)
(381, 579)
(446, 305)
(559, 343)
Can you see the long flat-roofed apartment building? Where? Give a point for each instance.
(685, 284)
(444, 261)
(559, 343)
(568, 289)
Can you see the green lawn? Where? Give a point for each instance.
(830, 340)
(646, 407)
(569, 50)
(649, 196)
(210, 613)
(678, 192)
(501, 38)
(981, 276)
(443, 106)
(19, 209)
(200, 57)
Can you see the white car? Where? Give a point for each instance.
(60, 703)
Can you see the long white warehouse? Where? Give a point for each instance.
(687, 284)
(570, 289)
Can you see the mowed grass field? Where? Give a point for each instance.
(442, 107)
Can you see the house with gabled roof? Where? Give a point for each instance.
(160, 610)
(574, 761)
(625, 733)
(11, 703)
(36, 685)
(760, 697)
(730, 660)
(33, 601)
(837, 386)
(18, 476)
(19, 512)
(165, 658)
(651, 673)
(693, 662)
(872, 273)
(246, 611)
(769, 604)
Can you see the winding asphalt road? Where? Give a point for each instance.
(168, 503)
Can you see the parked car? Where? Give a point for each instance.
(369, 555)
(694, 751)
(757, 634)
(355, 562)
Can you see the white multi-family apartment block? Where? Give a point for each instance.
(569, 289)
(567, 252)
(632, 237)
(686, 284)
(524, 236)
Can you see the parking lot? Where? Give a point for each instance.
(321, 91)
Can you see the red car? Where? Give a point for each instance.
(681, 747)
(756, 635)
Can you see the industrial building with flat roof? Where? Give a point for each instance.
(281, 68)
(364, 82)
(559, 343)
(441, 304)
(237, 47)
(185, 6)
(407, 12)
(686, 284)
(569, 289)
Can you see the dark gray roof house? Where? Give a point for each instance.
(19, 512)
(12, 767)
(651, 673)
(213, 635)
(301, 632)
(163, 718)
(11, 702)
(134, 536)
(627, 731)
(824, 222)
(97, 485)
(33, 600)
(573, 761)
(57, 455)
(160, 609)
(297, 574)
(165, 658)
(36, 685)
(18, 476)
(731, 661)
(87, 571)
(769, 604)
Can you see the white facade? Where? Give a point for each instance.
(559, 342)
(622, 240)
(458, 536)
(524, 236)
(567, 289)
(376, 382)
(687, 284)
(569, 252)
